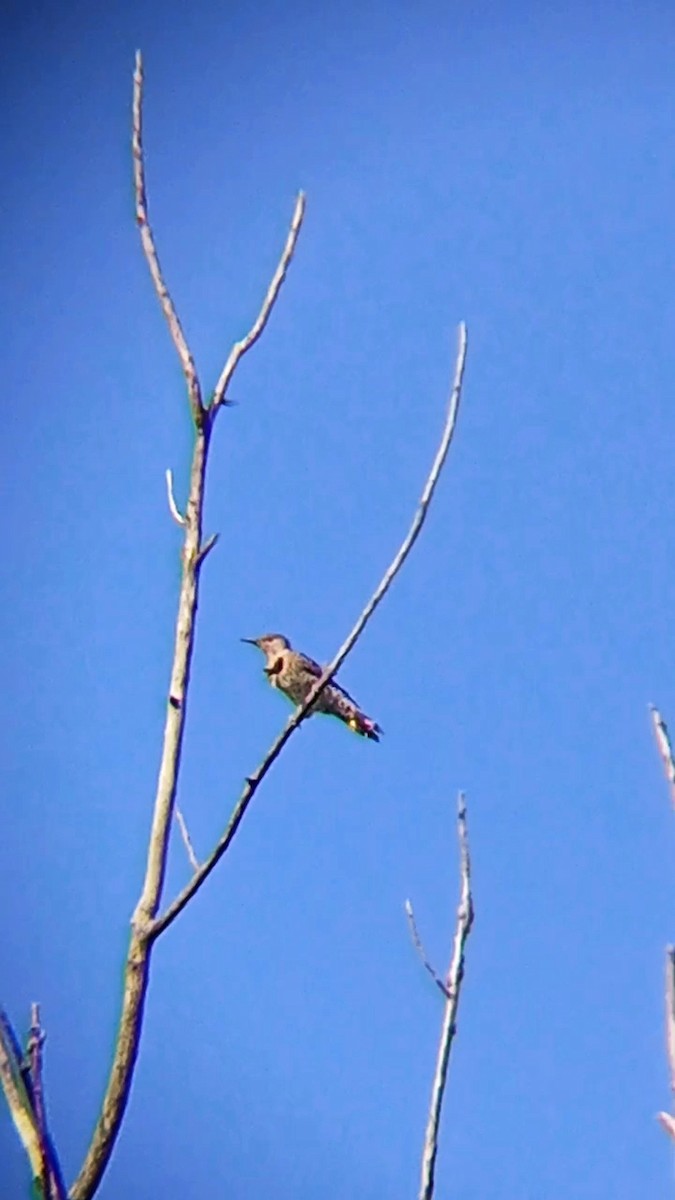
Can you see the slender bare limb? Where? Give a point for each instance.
(173, 507)
(194, 552)
(664, 747)
(15, 1083)
(52, 1179)
(34, 1051)
(140, 945)
(242, 347)
(148, 241)
(253, 781)
(417, 943)
(189, 848)
(453, 988)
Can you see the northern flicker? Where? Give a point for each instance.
(294, 674)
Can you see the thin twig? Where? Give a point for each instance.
(664, 747)
(208, 546)
(242, 347)
(34, 1052)
(147, 238)
(15, 1083)
(253, 781)
(417, 943)
(52, 1179)
(173, 507)
(465, 914)
(180, 819)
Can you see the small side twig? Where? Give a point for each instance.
(417, 943)
(150, 250)
(453, 986)
(242, 347)
(664, 747)
(173, 507)
(189, 848)
(208, 546)
(253, 781)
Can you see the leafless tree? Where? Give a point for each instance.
(21, 1074)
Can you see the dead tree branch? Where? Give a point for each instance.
(52, 1179)
(253, 781)
(187, 361)
(664, 747)
(242, 347)
(21, 1081)
(417, 943)
(452, 990)
(194, 552)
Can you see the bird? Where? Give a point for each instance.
(295, 674)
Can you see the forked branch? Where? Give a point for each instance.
(193, 555)
(453, 987)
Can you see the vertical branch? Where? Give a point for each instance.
(666, 752)
(178, 338)
(453, 986)
(53, 1186)
(140, 946)
(137, 969)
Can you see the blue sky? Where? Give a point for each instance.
(510, 165)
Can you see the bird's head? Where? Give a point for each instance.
(271, 644)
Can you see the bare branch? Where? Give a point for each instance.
(242, 347)
(52, 1180)
(150, 250)
(417, 943)
(664, 747)
(142, 936)
(253, 781)
(16, 1087)
(140, 944)
(465, 914)
(180, 819)
(173, 507)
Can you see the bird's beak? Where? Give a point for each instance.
(251, 641)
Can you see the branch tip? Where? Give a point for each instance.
(150, 250)
(242, 347)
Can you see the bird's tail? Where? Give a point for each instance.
(363, 725)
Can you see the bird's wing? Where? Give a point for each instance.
(313, 667)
